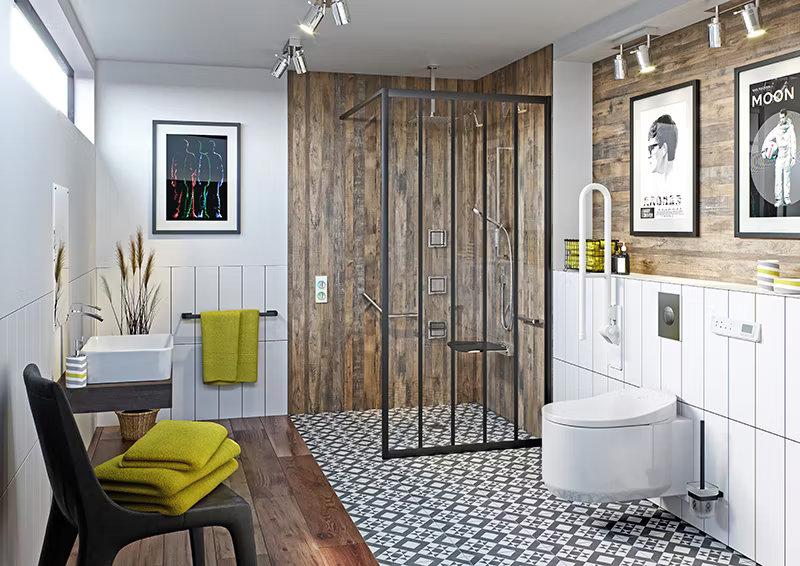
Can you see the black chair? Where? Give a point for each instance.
(81, 508)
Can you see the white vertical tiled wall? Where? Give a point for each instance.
(747, 393)
(195, 289)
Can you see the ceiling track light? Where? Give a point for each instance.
(313, 17)
(715, 30)
(752, 20)
(642, 53)
(292, 53)
(620, 65)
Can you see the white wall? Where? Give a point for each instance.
(572, 148)
(747, 393)
(39, 147)
(129, 96)
(200, 272)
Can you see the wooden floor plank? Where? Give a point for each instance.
(326, 517)
(286, 532)
(152, 551)
(262, 468)
(284, 437)
(177, 551)
(348, 555)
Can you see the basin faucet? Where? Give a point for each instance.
(77, 308)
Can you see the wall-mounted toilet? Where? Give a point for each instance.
(619, 446)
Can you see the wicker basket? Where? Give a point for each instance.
(595, 254)
(134, 424)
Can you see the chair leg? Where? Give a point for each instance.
(96, 551)
(198, 547)
(244, 544)
(59, 538)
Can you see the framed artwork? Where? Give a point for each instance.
(664, 156)
(767, 176)
(196, 186)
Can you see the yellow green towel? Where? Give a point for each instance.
(180, 502)
(248, 346)
(230, 346)
(220, 346)
(177, 445)
(160, 482)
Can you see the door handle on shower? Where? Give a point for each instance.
(536, 322)
(380, 310)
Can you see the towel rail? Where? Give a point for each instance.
(191, 316)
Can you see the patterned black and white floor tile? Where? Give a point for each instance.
(485, 508)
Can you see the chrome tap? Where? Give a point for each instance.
(77, 308)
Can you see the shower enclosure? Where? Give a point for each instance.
(456, 285)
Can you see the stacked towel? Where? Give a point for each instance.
(170, 468)
(230, 346)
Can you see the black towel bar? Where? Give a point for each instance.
(190, 316)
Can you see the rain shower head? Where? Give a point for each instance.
(478, 213)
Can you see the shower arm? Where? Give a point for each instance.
(584, 200)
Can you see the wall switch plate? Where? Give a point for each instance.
(738, 329)
(321, 289)
(437, 239)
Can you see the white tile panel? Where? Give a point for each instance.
(793, 369)
(770, 499)
(692, 341)
(632, 332)
(770, 361)
(715, 362)
(651, 343)
(742, 482)
(742, 359)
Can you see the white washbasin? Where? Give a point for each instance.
(114, 359)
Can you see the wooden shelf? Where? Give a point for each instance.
(131, 396)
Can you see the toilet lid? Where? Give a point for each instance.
(627, 407)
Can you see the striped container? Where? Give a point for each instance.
(787, 286)
(768, 270)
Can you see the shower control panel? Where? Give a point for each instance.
(739, 329)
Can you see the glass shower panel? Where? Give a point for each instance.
(500, 188)
(403, 235)
(468, 276)
(532, 175)
(435, 247)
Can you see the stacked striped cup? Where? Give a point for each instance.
(768, 270)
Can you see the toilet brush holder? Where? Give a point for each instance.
(703, 496)
(703, 500)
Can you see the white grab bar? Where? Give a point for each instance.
(585, 200)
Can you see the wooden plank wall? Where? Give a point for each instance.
(682, 56)
(334, 230)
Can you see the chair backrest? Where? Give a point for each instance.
(75, 487)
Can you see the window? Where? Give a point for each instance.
(35, 55)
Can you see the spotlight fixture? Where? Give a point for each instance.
(643, 57)
(752, 21)
(299, 60)
(620, 65)
(341, 14)
(293, 53)
(313, 17)
(715, 31)
(281, 64)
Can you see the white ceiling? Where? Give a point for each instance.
(466, 38)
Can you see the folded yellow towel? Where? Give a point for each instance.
(248, 346)
(230, 346)
(220, 346)
(182, 501)
(177, 445)
(160, 482)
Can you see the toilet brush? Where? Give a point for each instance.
(703, 496)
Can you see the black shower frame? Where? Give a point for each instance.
(386, 94)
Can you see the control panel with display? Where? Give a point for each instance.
(739, 329)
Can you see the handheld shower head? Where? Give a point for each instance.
(479, 214)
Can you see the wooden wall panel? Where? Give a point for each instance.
(334, 230)
(681, 56)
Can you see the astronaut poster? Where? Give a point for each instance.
(768, 125)
(664, 162)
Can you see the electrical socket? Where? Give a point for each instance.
(321, 289)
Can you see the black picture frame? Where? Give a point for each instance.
(694, 207)
(232, 224)
(739, 75)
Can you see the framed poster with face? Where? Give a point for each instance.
(196, 186)
(664, 156)
(767, 176)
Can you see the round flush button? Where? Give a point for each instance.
(669, 316)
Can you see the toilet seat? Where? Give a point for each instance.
(624, 408)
